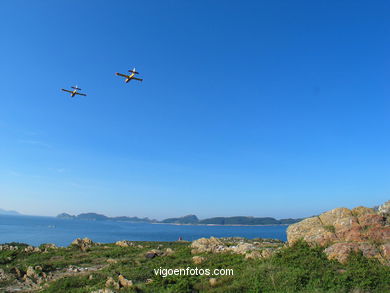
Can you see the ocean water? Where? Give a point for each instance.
(37, 230)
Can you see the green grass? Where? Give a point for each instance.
(330, 228)
(299, 268)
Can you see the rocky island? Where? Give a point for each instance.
(185, 220)
(341, 250)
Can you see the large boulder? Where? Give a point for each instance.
(311, 230)
(211, 244)
(84, 244)
(153, 253)
(125, 283)
(341, 250)
(385, 209)
(198, 259)
(3, 276)
(168, 252)
(111, 283)
(124, 243)
(342, 230)
(31, 273)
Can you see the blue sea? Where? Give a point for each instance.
(37, 230)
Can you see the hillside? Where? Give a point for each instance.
(258, 265)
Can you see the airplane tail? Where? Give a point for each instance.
(134, 71)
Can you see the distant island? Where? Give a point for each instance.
(99, 217)
(9, 213)
(185, 220)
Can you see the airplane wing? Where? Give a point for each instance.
(120, 74)
(81, 94)
(67, 91)
(140, 79)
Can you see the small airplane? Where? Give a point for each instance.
(131, 76)
(74, 91)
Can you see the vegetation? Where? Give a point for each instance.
(299, 268)
(330, 228)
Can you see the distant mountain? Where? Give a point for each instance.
(92, 217)
(99, 217)
(189, 219)
(240, 221)
(290, 221)
(10, 213)
(66, 216)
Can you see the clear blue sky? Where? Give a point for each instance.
(262, 108)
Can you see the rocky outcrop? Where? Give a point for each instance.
(259, 248)
(153, 253)
(342, 230)
(124, 243)
(125, 283)
(8, 247)
(121, 283)
(264, 253)
(213, 282)
(47, 246)
(31, 272)
(198, 259)
(103, 291)
(341, 250)
(111, 283)
(3, 276)
(30, 249)
(84, 244)
(211, 244)
(168, 252)
(385, 209)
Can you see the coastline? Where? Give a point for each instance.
(219, 225)
(155, 223)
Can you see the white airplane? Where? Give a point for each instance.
(131, 76)
(74, 91)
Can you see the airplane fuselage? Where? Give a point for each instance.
(74, 92)
(129, 77)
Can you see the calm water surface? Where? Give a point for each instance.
(38, 230)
